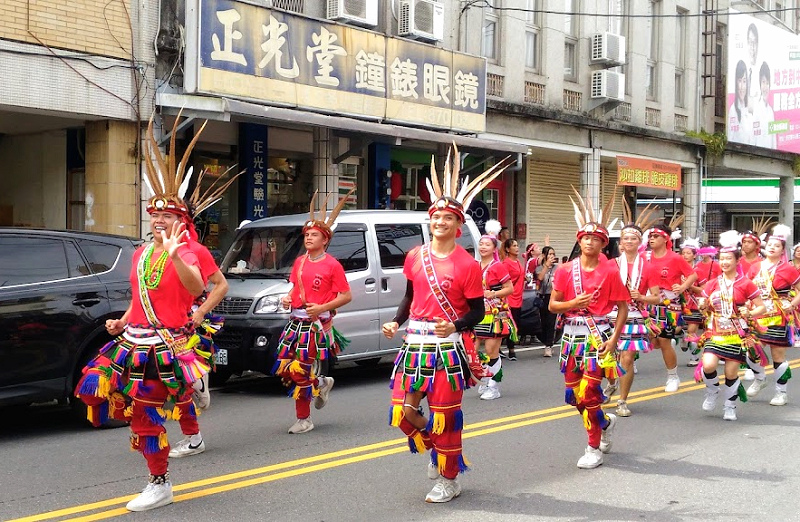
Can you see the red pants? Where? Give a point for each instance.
(443, 433)
(148, 434)
(584, 391)
(188, 414)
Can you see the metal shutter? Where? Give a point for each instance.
(549, 210)
(608, 186)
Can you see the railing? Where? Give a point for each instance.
(494, 85)
(534, 93)
(652, 117)
(681, 122)
(573, 100)
(622, 112)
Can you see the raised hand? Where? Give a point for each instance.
(176, 239)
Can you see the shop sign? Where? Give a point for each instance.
(648, 173)
(253, 157)
(245, 51)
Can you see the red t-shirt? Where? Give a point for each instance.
(743, 289)
(171, 300)
(667, 270)
(322, 280)
(785, 277)
(605, 278)
(459, 276)
(514, 268)
(495, 275)
(646, 279)
(746, 265)
(208, 264)
(706, 272)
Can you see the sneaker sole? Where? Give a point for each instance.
(584, 466)
(161, 503)
(189, 453)
(432, 501)
(320, 401)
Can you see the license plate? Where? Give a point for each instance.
(221, 357)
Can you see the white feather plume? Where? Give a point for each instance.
(463, 191)
(431, 192)
(691, 242)
(185, 184)
(730, 239)
(493, 227)
(782, 230)
(149, 187)
(676, 234)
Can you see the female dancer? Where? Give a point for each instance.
(775, 277)
(497, 322)
(514, 268)
(706, 269)
(545, 273)
(726, 336)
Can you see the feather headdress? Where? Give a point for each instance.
(641, 223)
(589, 221)
(447, 195)
(758, 232)
(322, 220)
(692, 243)
(168, 182)
(781, 232)
(729, 241)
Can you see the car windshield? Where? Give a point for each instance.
(264, 252)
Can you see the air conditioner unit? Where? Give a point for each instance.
(608, 48)
(608, 84)
(421, 19)
(358, 12)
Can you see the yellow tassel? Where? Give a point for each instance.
(103, 386)
(296, 368)
(129, 412)
(163, 440)
(581, 393)
(397, 415)
(438, 423)
(418, 442)
(176, 414)
(466, 462)
(192, 342)
(441, 462)
(587, 423)
(134, 441)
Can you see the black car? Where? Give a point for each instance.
(57, 288)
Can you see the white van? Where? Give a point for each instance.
(371, 245)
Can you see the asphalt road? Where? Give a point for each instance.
(670, 461)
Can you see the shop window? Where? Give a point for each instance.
(395, 241)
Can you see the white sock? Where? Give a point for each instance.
(673, 371)
(196, 439)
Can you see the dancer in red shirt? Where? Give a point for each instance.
(727, 336)
(320, 287)
(515, 271)
(673, 276)
(585, 291)
(706, 268)
(775, 277)
(443, 301)
(753, 242)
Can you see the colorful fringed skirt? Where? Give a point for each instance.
(497, 323)
(775, 329)
(576, 342)
(692, 316)
(422, 353)
(667, 317)
(307, 341)
(635, 336)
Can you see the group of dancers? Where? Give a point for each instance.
(611, 310)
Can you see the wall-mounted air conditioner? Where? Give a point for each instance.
(357, 12)
(421, 19)
(608, 84)
(608, 48)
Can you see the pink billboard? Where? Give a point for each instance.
(763, 84)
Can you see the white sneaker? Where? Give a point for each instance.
(692, 363)
(200, 393)
(605, 436)
(302, 426)
(152, 496)
(757, 386)
(433, 471)
(444, 490)
(710, 402)
(184, 448)
(483, 386)
(609, 390)
(780, 399)
(749, 375)
(591, 458)
(729, 413)
(635, 369)
(622, 409)
(325, 388)
(673, 383)
(491, 393)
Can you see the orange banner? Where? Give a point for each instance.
(648, 173)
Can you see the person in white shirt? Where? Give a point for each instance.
(763, 114)
(740, 120)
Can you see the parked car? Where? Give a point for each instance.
(57, 288)
(370, 244)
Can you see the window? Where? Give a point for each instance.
(76, 197)
(653, 30)
(680, 58)
(532, 31)
(395, 241)
(350, 248)
(101, 256)
(531, 50)
(26, 260)
(76, 265)
(570, 40)
(779, 12)
(489, 39)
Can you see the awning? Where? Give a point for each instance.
(222, 109)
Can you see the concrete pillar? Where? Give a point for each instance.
(693, 224)
(786, 208)
(590, 178)
(326, 175)
(112, 195)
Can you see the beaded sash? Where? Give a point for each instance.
(433, 283)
